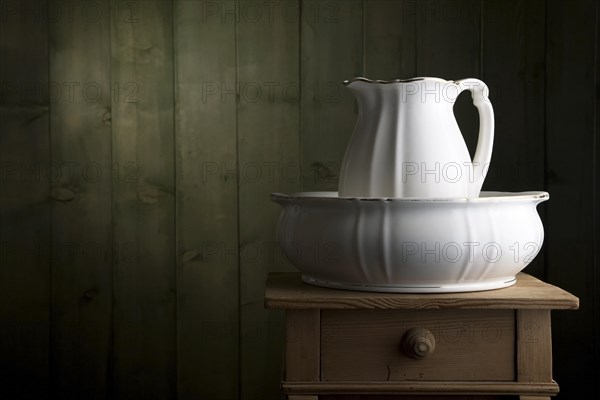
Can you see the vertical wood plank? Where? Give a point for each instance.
(596, 202)
(448, 38)
(570, 143)
(534, 346)
(268, 143)
(24, 209)
(302, 344)
(143, 200)
(81, 336)
(513, 64)
(331, 51)
(390, 39)
(513, 67)
(448, 47)
(207, 260)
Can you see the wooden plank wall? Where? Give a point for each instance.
(268, 124)
(24, 208)
(207, 201)
(140, 140)
(81, 298)
(573, 181)
(143, 200)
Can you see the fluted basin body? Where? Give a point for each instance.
(410, 245)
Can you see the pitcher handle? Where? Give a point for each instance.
(485, 141)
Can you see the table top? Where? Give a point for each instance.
(286, 290)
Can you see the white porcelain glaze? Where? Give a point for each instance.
(406, 142)
(410, 245)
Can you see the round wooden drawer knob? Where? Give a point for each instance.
(418, 343)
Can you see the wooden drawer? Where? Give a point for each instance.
(470, 345)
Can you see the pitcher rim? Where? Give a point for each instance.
(383, 81)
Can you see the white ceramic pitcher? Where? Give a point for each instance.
(406, 142)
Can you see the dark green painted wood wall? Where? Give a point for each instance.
(140, 141)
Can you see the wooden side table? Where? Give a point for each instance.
(487, 344)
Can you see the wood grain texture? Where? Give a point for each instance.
(570, 159)
(534, 346)
(331, 45)
(364, 345)
(143, 200)
(268, 124)
(513, 67)
(409, 397)
(286, 290)
(302, 345)
(69, 330)
(82, 278)
(596, 211)
(207, 203)
(24, 207)
(390, 39)
(422, 388)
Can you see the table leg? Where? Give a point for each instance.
(534, 349)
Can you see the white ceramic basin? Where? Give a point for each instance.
(410, 245)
